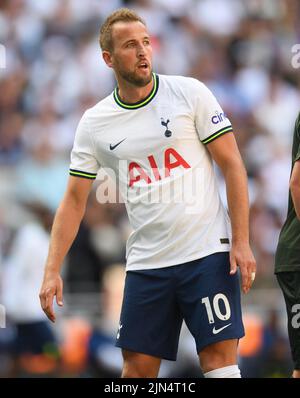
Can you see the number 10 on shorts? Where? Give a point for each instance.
(215, 308)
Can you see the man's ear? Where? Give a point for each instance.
(107, 58)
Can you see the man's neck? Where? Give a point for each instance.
(131, 94)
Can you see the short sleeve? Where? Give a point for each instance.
(211, 120)
(83, 161)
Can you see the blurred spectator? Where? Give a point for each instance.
(250, 346)
(34, 347)
(10, 138)
(105, 360)
(276, 356)
(42, 175)
(99, 243)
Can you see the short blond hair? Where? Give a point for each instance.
(120, 15)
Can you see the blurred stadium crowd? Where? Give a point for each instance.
(242, 50)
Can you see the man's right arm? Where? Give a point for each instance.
(64, 230)
(295, 187)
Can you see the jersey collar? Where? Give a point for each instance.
(141, 103)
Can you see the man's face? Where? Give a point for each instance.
(131, 57)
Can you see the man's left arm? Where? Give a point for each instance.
(225, 152)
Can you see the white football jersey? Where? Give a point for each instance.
(155, 150)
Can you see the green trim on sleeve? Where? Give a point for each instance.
(217, 134)
(83, 174)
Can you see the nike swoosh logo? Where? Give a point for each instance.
(216, 331)
(112, 147)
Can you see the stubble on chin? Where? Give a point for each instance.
(133, 78)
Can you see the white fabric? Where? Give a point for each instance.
(228, 372)
(23, 274)
(164, 234)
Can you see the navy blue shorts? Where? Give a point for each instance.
(200, 292)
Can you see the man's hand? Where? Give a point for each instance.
(241, 256)
(52, 286)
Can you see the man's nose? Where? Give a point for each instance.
(141, 50)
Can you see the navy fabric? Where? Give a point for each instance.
(200, 292)
(35, 338)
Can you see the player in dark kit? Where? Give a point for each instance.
(287, 259)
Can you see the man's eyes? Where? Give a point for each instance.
(132, 44)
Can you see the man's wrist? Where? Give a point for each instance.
(52, 270)
(240, 241)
